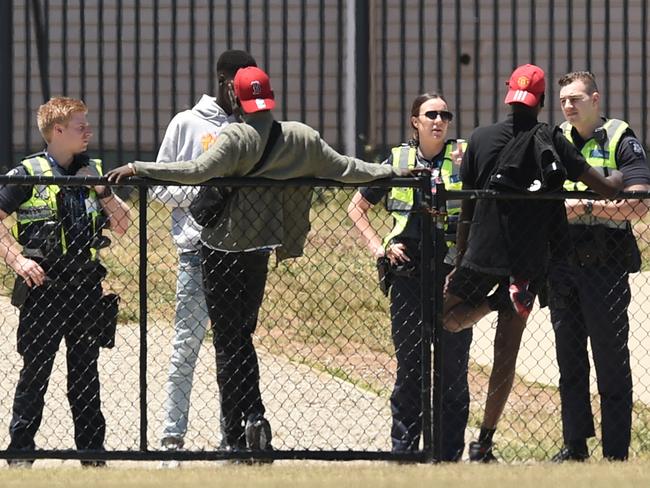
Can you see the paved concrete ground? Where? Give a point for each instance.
(536, 361)
(307, 409)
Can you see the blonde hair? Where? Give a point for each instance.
(57, 110)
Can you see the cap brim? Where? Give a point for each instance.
(523, 97)
(257, 105)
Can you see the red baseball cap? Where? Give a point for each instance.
(526, 85)
(253, 88)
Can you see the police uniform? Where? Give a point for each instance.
(405, 308)
(58, 227)
(589, 294)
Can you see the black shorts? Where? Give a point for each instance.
(474, 286)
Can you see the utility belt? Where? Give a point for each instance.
(386, 271)
(67, 279)
(102, 318)
(601, 246)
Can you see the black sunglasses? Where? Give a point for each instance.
(444, 115)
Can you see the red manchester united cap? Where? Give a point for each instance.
(253, 88)
(526, 85)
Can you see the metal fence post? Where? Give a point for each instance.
(142, 205)
(429, 426)
(6, 86)
(439, 252)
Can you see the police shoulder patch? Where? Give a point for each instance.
(636, 147)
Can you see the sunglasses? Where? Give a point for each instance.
(444, 115)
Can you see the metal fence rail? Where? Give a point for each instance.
(325, 349)
(323, 341)
(584, 296)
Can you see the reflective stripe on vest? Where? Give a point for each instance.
(42, 205)
(401, 200)
(602, 159)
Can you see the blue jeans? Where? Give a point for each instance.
(191, 325)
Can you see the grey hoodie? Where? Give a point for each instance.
(189, 134)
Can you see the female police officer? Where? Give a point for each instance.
(428, 148)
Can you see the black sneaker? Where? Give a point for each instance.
(615, 459)
(93, 463)
(258, 437)
(570, 454)
(480, 452)
(258, 434)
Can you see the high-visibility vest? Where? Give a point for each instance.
(602, 157)
(401, 200)
(42, 206)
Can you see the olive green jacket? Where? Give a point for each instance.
(266, 216)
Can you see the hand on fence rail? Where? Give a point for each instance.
(121, 173)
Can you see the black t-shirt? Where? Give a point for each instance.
(71, 204)
(486, 143)
(509, 237)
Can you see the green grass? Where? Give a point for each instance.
(324, 310)
(317, 475)
(531, 429)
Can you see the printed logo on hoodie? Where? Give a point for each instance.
(207, 140)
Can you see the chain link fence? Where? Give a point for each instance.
(583, 326)
(327, 362)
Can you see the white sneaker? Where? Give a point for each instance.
(171, 444)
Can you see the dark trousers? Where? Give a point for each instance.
(234, 288)
(51, 313)
(406, 399)
(591, 302)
